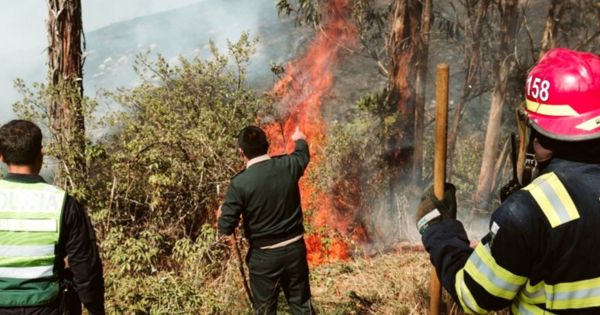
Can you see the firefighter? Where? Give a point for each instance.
(539, 255)
(267, 197)
(40, 225)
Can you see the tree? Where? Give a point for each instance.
(508, 11)
(408, 51)
(65, 110)
(406, 45)
(475, 13)
(173, 151)
(556, 10)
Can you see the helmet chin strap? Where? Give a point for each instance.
(531, 169)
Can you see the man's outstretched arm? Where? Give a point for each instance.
(301, 156)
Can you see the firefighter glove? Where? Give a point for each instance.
(431, 209)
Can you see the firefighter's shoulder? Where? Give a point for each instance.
(238, 174)
(519, 210)
(278, 156)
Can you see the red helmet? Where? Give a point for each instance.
(563, 95)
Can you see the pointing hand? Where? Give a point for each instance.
(298, 135)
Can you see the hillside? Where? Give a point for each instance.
(187, 31)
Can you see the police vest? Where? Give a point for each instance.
(30, 224)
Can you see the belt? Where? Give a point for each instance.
(284, 243)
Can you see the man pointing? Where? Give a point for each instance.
(267, 197)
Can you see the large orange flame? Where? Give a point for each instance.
(300, 94)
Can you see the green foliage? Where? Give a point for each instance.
(160, 177)
(175, 148)
(356, 172)
(356, 147)
(306, 11)
(34, 105)
(371, 20)
(201, 279)
(157, 175)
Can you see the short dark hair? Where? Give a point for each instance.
(587, 151)
(20, 142)
(253, 141)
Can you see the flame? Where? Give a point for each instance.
(300, 94)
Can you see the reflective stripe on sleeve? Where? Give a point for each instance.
(554, 200)
(26, 251)
(467, 301)
(522, 308)
(573, 295)
(26, 272)
(533, 294)
(496, 280)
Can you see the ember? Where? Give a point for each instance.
(301, 93)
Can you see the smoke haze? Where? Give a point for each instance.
(116, 31)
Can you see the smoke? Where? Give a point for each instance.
(116, 31)
(187, 32)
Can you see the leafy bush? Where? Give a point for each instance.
(175, 148)
(156, 178)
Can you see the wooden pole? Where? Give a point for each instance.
(439, 165)
(236, 248)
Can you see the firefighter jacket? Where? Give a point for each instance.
(539, 255)
(40, 224)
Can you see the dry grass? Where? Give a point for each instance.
(395, 283)
(386, 284)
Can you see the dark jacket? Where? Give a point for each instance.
(267, 196)
(540, 253)
(77, 241)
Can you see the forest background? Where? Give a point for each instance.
(152, 160)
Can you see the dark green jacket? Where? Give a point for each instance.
(267, 197)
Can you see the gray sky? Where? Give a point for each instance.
(23, 34)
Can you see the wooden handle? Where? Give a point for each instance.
(441, 130)
(439, 165)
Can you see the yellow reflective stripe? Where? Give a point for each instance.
(29, 225)
(573, 295)
(522, 308)
(467, 301)
(589, 124)
(550, 110)
(496, 280)
(533, 294)
(553, 198)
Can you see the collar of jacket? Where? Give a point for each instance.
(24, 178)
(561, 164)
(258, 159)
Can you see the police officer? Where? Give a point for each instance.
(267, 196)
(40, 225)
(539, 256)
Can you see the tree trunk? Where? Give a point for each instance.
(420, 85)
(509, 18)
(475, 25)
(556, 10)
(66, 120)
(403, 49)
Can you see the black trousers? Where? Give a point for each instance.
(282, 268)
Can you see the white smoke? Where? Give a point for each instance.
(24, 37)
